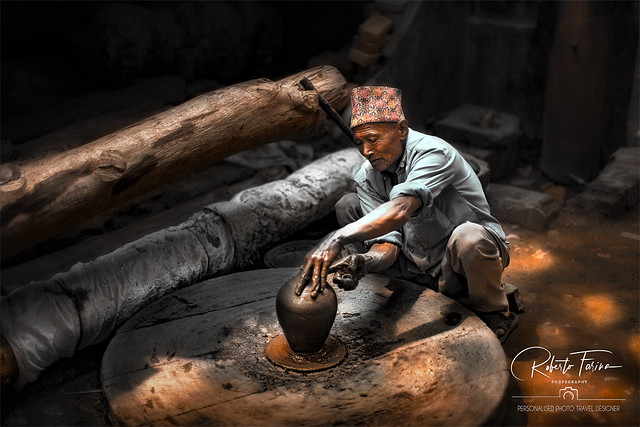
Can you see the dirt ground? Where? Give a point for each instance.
(580, 285)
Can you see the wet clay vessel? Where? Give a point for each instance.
(305, 321)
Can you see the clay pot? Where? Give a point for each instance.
(306, 321)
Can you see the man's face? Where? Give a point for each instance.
(381, 143)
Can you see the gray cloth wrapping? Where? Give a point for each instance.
(44, 321)
(41, 324)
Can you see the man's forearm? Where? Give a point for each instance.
(380, 257)
(385, 218)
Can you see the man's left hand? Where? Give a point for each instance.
(349, 270)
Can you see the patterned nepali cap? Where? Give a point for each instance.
(375, 104)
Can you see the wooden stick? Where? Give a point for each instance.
(329, 110)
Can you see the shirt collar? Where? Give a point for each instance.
(403, 159)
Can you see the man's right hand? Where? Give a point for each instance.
(316, 265)
(348, 271)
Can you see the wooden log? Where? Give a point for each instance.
(46, 196)
(44, 267)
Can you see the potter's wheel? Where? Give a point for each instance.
(332, 353)
(196, 357)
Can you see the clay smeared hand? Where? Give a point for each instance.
(349, 270)
(317, 263)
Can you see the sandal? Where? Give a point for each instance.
(500, 324)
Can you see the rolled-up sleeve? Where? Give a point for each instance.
(430, 173)
(369, 200)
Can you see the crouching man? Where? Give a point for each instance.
(421, 211)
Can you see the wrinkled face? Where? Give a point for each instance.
(381, 143)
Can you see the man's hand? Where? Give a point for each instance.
(317, 263)
(349, 270)
(387, 217)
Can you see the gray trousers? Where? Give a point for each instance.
(471, 268)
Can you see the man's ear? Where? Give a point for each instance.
(403, 127)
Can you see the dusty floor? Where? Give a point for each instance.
(579, 281)
(580, 284)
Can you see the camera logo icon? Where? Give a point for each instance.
(568, 393)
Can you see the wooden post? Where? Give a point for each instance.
(576, 99)
(45, 197)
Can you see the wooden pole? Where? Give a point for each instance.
(576, 102)
(44, 197)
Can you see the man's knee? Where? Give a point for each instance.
(466, 236)
(472, 241)
(348, 209)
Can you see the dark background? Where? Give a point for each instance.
(491, 53)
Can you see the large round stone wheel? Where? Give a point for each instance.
(196, 357)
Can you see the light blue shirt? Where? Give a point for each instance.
(450, 191)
